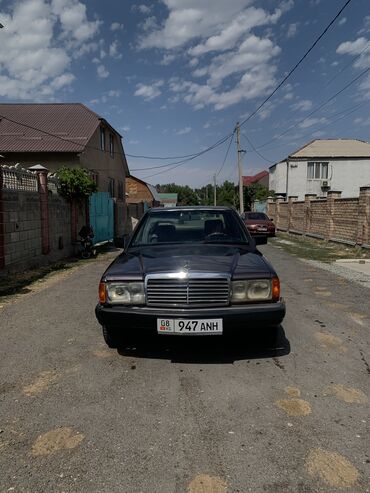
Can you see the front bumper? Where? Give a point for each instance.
(234, 317)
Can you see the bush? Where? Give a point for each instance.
(75, 183)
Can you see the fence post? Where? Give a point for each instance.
(307, 212)
(291, 199)
(42, 180)
(279, 199)
(270, 202)
(330, 201)
(2, 226)
(363, 226)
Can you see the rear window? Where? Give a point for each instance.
(256, 216)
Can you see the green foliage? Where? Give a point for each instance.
(185, 194)
(253, 192)
(75, 183)
(226, 194)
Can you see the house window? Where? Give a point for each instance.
(95, 178)
(111, 145)
(102, 138)
(111, 186)
(317, 171)
(120, 189)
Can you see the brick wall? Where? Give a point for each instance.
(333, 219)
(22, 238)
(32, 233)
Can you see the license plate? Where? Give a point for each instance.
(189, 327)
(262, 229)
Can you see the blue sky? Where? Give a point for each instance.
(174, 76)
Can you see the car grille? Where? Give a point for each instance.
(195, 292)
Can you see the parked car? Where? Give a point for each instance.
(258, 223)
(189, 274)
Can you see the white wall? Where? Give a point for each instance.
(346, 176)
(277, 178)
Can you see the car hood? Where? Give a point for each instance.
(238, 262)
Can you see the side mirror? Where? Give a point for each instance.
(260, 240)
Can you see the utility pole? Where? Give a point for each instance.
(214, 190)
(240, 168)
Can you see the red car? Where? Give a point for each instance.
(258, 223)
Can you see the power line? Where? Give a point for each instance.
(221, 141)
(227, 153)
(255, 150)
(290, 73)
(192, 156)
(180, 163)
(318, 108)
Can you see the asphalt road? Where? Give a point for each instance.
(198, 415)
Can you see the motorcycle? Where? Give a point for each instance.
(87, 248)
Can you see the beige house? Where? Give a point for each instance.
(69, 134)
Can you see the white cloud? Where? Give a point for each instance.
(116, 26)
(149, 92)
(292, 30)
(303, 105)
(359, 48)
(114, 50)
(34, 62)
(352, 47)
(310, 122)
(143, 9)
(183, 131)
(134, 142)
(224, 30)
(167, 59)
(342, 21)
(126, 128)
(102, 72)
(222, 22)
(113, 93)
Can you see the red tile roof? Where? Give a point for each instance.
(71, 126)
(248, 180)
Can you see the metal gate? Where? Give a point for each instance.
(102, 216)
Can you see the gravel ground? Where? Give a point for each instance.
(339, 270)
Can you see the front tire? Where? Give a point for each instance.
(111, 337)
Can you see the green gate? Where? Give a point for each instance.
(102, 216)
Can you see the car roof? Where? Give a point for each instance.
(192, 208)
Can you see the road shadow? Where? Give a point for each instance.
(211, 350)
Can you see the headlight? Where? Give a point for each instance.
(256, 290)
(126, 293)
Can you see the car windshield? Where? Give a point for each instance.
(256, 216)
(190, 226)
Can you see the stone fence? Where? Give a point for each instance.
(342, 220)
(37, 225)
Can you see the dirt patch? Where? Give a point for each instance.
(293, 391)
(294, 406)
(332, 468)
(337, 306)
(330, 341)
(323, 293)
(56, 440)
(103, 353)
(207, 484)
(358, 318)
(347, 394)
(42, 382)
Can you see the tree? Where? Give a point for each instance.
(75, 183)
(185, 194)
(253, 192)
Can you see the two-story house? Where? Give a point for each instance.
(323, 165)
(64, 134)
